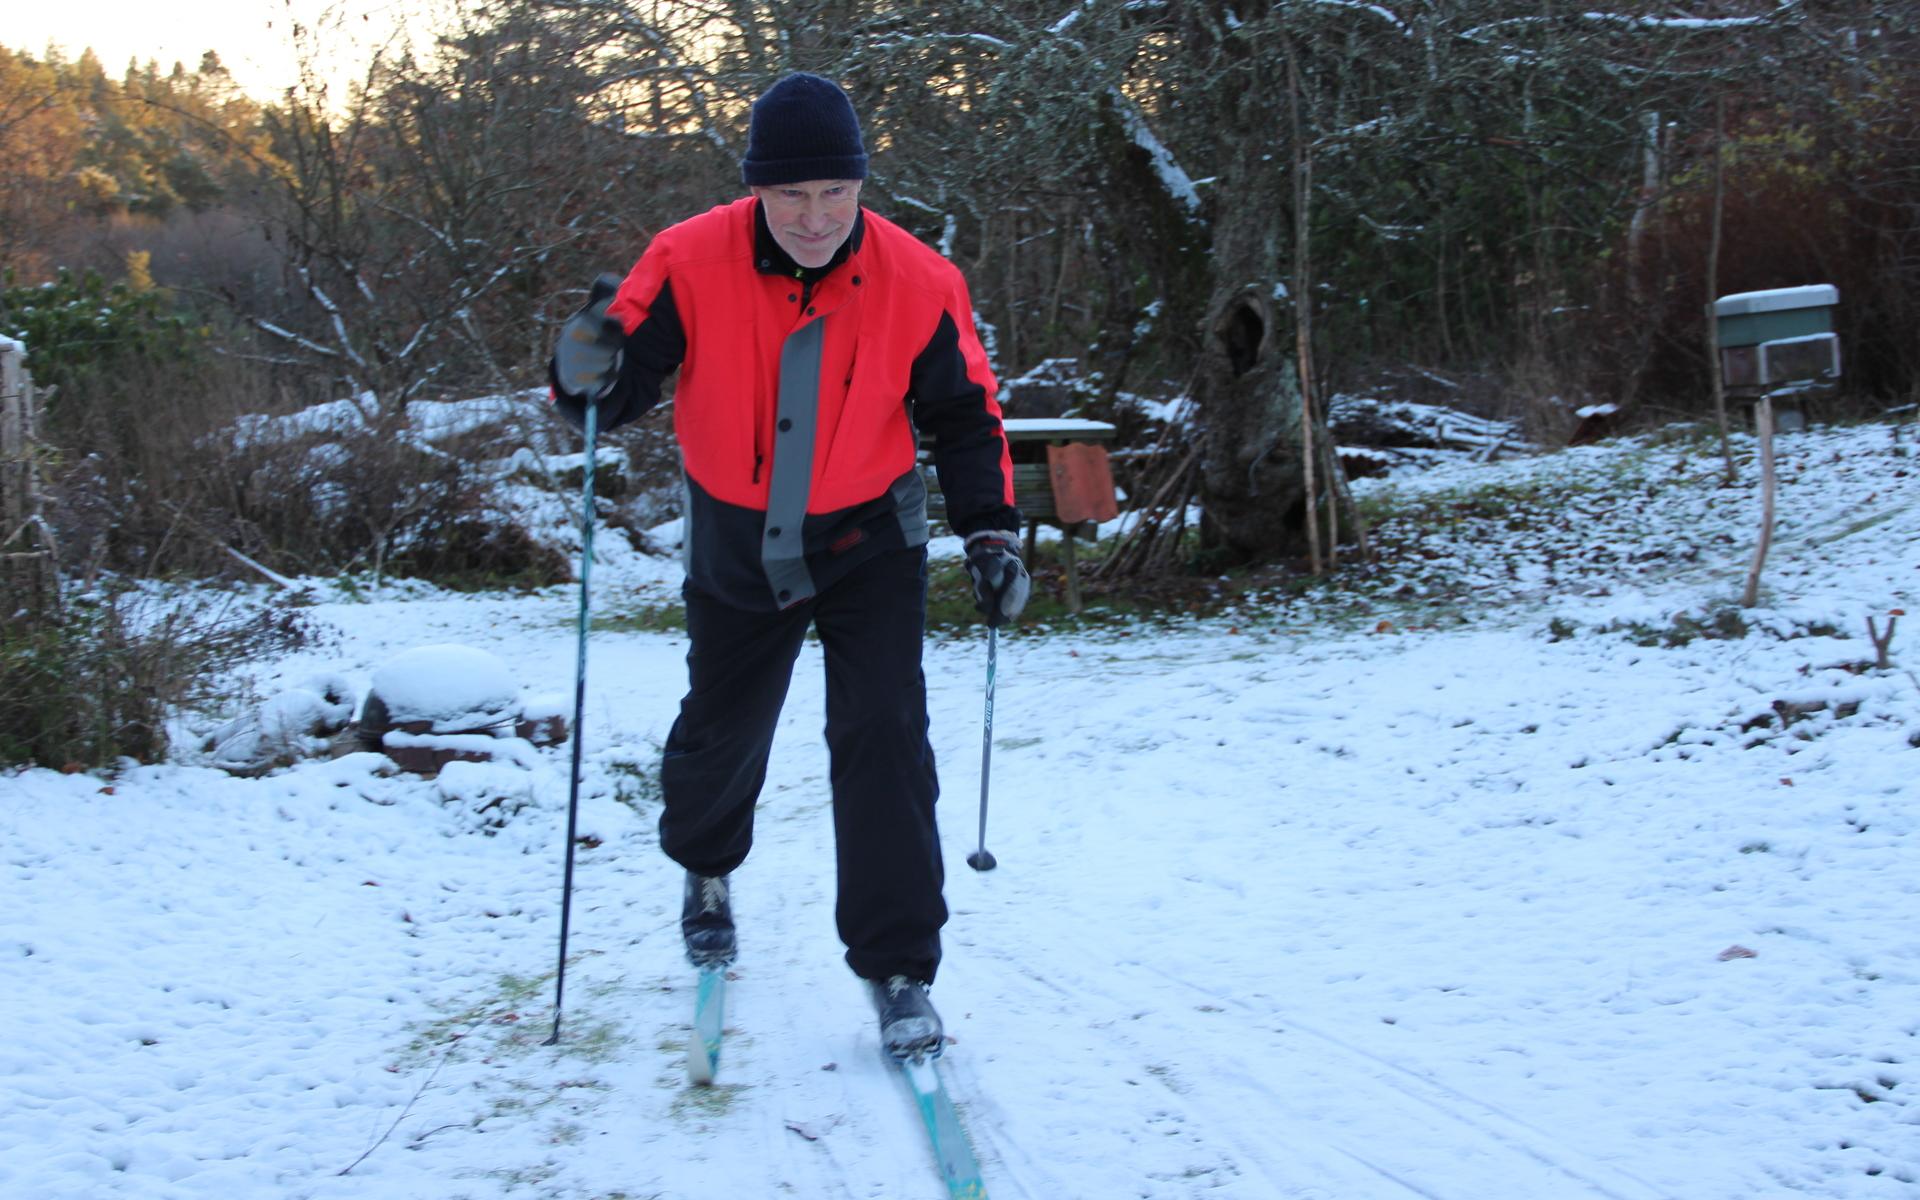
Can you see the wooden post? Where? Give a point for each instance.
(27, 569)
(1763, 418)
(1067, 553)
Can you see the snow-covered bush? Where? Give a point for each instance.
(289, 726)
(428, 709)
(339, 488)
(98, 680)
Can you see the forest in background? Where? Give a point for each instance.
(1252, 207)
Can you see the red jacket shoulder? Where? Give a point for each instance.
(910, 259)
(724, 230)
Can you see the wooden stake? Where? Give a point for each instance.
(1763, 419)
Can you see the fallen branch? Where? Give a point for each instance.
(415, 1099)
(1138, 548)
(275, 576)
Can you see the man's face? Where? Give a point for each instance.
(811, 220)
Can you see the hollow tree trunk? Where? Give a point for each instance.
(1253, 485)
(1255, 432)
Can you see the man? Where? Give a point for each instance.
(813, 339)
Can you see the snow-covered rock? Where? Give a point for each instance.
(433, 706)
(447, 688)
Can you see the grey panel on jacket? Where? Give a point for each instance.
(910, 502)
(782, 547)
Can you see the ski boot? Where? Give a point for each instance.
(706, 920)
(909, 1027)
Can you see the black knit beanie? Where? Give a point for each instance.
(803, 128)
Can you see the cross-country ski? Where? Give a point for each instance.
(709, 1022)
(952, 1149)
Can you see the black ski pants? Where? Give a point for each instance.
(871, 623)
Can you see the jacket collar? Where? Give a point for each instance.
(770, 259)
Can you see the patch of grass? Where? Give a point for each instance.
(1722, 624)
(1519, 506)
(636, 782)
(597, 1042)
(1353, 595)
(512, 996)
(950, 609)
(526, 1177)
(647, 618)
(515, 1019)
(706, 1100)
(1860, 526)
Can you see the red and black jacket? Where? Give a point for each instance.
(800, 395)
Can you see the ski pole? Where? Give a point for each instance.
(579, 716)
(982, 859)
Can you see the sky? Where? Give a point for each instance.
(252, 38)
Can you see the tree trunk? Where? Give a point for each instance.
(1303, 314)
(1257, 429)
(1713, 285)
(29, 582)
(1252, 464)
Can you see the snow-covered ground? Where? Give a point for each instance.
(1527, 873)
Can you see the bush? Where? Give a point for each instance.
(175, 446)
(97, 680)
(79, 327)
(165, 466)
(349, 494)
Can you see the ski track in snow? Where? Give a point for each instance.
(1282, 911)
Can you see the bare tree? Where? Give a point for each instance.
(1259, 199)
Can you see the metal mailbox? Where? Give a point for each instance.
(1780, 336)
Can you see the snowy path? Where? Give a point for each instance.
(1328, 916)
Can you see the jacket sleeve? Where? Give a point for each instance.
(656, 341)
(953, 400)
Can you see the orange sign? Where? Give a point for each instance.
(1082, 483)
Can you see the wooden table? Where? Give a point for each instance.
(1060, 478)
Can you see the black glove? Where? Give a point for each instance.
(1000, 583)
(586, 362)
